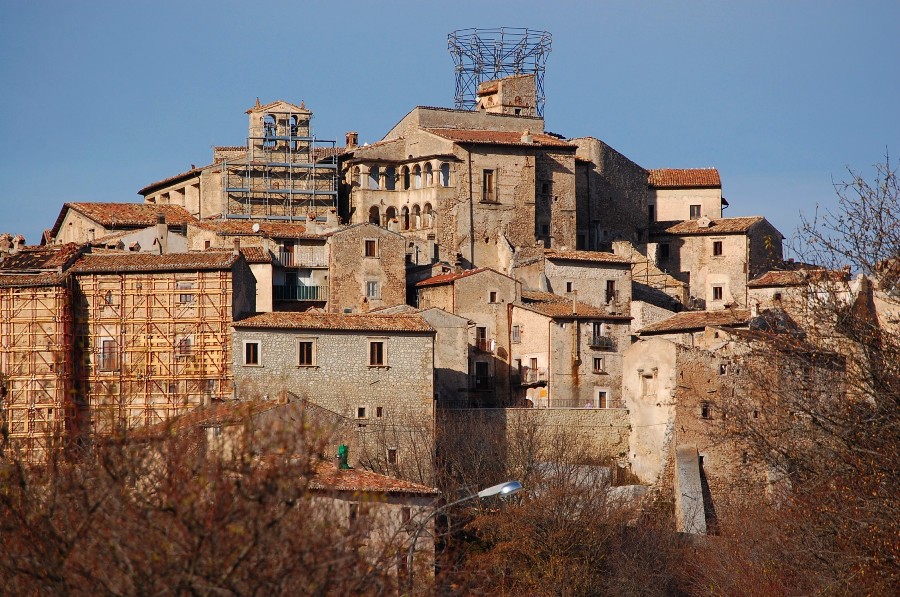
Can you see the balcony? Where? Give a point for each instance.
(484, 345)
(300, 293)
(533, 377)
(576, 403)
(304, 257)
(602, 342)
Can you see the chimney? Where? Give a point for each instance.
(312, 226)
(352, 139)
(162, 233)
(526, 137)
(237, 246)
(331, 219)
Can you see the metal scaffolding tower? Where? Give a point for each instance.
(486, 54)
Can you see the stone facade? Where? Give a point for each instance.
(366, 269)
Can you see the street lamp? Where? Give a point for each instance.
(500, 489)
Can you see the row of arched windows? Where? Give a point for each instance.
(410, 218)
(389, 179)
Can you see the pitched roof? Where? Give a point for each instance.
(172, 179)
(451, 277)
(676, 178)
(147, 262)
(363, 322)
(560, 307)
(293, 107)
(257, 255)
(231, 227)
(125, 215)
(499, 138)
(688, 321)
(797, 277)
(14, 280)
(328, 478)
(41, 257)
(592, 256)
(720, 226)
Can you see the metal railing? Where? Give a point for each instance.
(576, 403)
(300, 293)
(484, 344)
(304, 257)
(604, 342)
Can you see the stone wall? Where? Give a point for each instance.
(350, 270)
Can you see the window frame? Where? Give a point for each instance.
(185, 290)
(718, 248)
(313, 352)
(383, 361)
(373, 289)
(258, 355)
(489, 185)
(373, 243)
(718, 292)
(104, 357)
(695, 214)
(602, 361)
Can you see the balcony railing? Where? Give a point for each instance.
(300, 293)
(576, 403)
(602, 342)
(286, 258)
(484, 344)
(534, 376)
(304, 257)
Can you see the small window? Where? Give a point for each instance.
(611, 293)
(492, 296)
(361, 412)
(373, 290)
(251, 353)
(695, 212)
(392, 455)
(108, 297)
(185, 290)
(379, 412)
(173, 388)
(705, 410)
(717, 248)
(717, 293)
(109, 357)
(206, 244)
(488, 184)
(569, 286)
(663, 251)
(777, 296)
(516, 334)
(306, 353)
(723, 368)
(376, 353)
(371, 248)
(184, 347)
(602, 399)
(598, 365)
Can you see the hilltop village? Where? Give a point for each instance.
(468, 262)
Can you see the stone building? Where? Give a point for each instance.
(376, 370)
(156, 228)
(482, 296)
(565, 353)
(153, 333)
(366, 268)
(696, 328)
(684, 194)
(716, 258)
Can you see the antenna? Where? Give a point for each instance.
(486, 54)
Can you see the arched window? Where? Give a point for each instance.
(356, 177)
(404, 174)
(390, 214)
(429, 175)
(417, 176)
(416, 217)
(390, 178)
(374, 215)
(269, 130)
(293, 131)
(427, 216)
(374, 173)
(404, 218)
(445, 174)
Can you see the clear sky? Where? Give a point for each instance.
(101, 98)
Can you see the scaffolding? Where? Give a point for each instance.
(35, 368)
(485, 54)
(287, 174)
(156, 345)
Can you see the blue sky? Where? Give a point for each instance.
(102, 98)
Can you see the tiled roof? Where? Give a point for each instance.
(41, 257)
(797, 277)
(593, 256)
(328, 478)
(720, 226)
(560, 307)
(147, 262)
(9, 280)
(498, 137)
(364, 322)
(171, 179)
(257, 255)
(687, 321)
(320, 153)
(245, 228)
(451, 277)
(131, 215)
(675, 178)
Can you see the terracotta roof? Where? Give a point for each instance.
(147, 262)
(126, 215)
(593, 256)
(499, 138)
(560, 307)
(364, 322)
(797, 277)
(687, 321)
(9, 280)
(675, 178)
(720, 226)
(257, 255)
(328, 478)
(171, 179)
(451, 277)
(245, 228)
(41, 257)
(320, 153)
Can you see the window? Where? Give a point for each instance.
(569, 286)
(206, 244)
(429, 175)
(777, 296)
(374, 176)
(492, 296)
(545, 229)
(651, 212)
(723, 368)
(695, 212)
(376, 353)
(392, 456)
(185, 289)
(404, 176)
(306, 353)
(488, 186)
(662, 251)
(371, 248)
(705, 410)
(598, 365)
(109, 357)
(445, 174)
(184, 346)
(602, 399)
(516, 334)
(251, 353)
(717, 293)
(361, 412)
(379, 412)
(417, 176)
(717, 248)
(372, 290)
(108, 297)
(611, 291)
(648, 384)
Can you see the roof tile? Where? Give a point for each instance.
(328, 478)
(267, 229)
(364, 322)
(499, 138)
(593, 256)
(688, 321)
(560, 307)
(675, 178)
(720, 226)
(148, 262)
